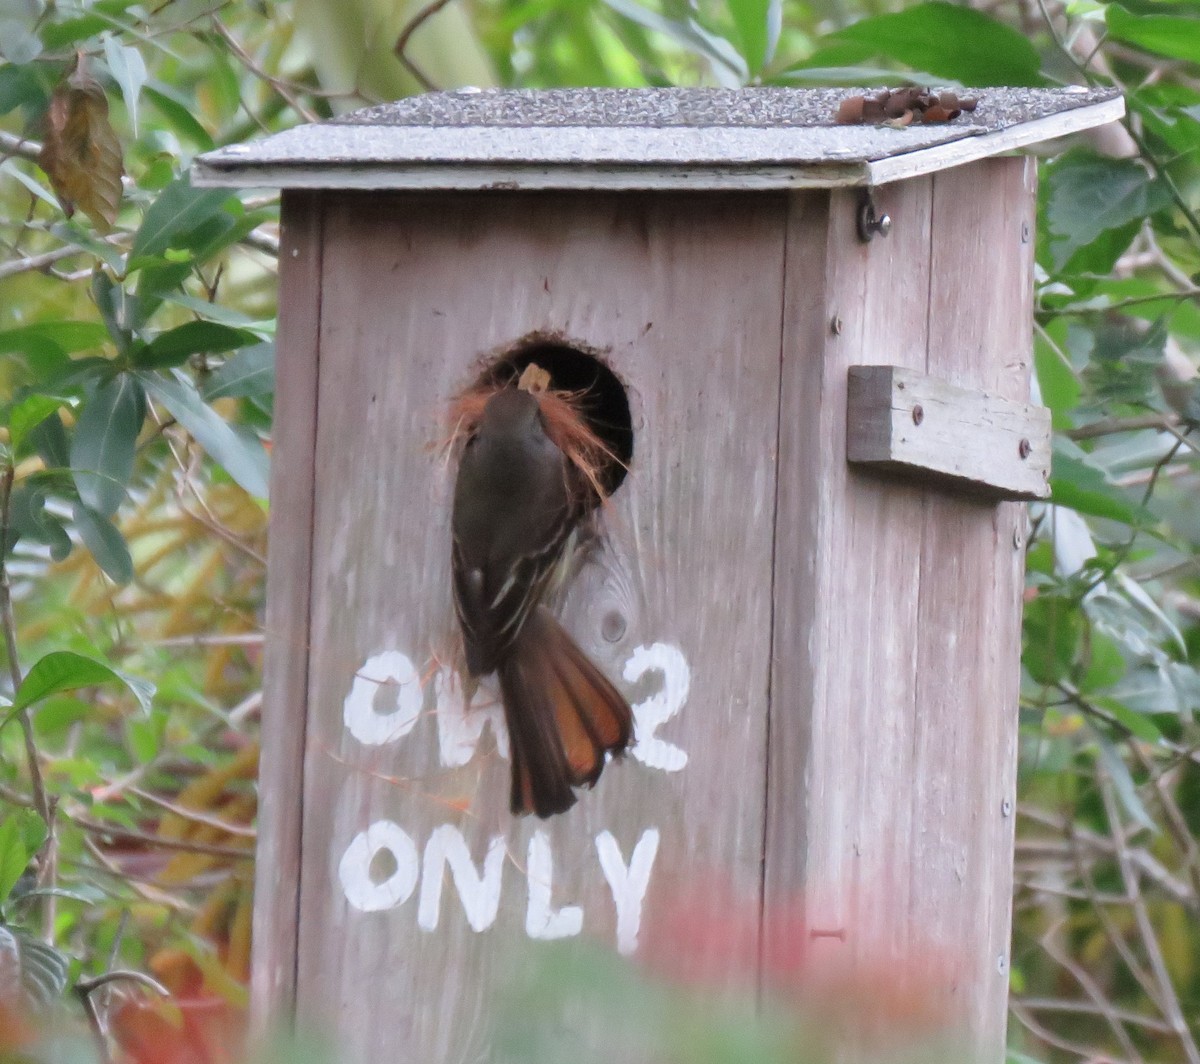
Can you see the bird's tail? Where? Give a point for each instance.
(563, 716)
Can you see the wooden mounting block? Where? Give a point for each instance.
(906, 422)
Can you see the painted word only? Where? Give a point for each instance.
(479, 889)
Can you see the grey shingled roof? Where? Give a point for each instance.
(641, 138)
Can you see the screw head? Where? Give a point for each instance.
(1024, 448)
(1024, 232)
(1002, 964)
(883, 224)
(918, 414)
(835, 325)
(1006, 807)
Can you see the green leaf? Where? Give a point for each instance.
(30, 520)
(1165, 34)
(948, 41)
(178, 210)
(249, 372)
(1139, 725)
(28, 413)
(245, 462)
(15, 851)
(49, 437)
(105, 542)
(175, 346)
(1087, 195)
(1051, 632)
(758, 24)
(18, 43)
(129, 71)
(182, 121)
(58, 671)
(20, 86)
(1082, 487)
(105, 440)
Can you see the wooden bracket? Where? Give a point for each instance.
(905, 422)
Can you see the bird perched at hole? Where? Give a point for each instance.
(527, 476)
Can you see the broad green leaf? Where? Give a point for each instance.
(20, 86)
(1139, 725)
(1051, 632)
(129, 70)
(946, 40)
(1166, 34)
(14, 854)
(18, 43)
(105, 440)
(246, 463)
(105, 542)
(758, 25)
(177, 211)
(184, 123)
(1082, 487)
(30, 412)
(31, 520)
(49, 437)
(175, 346)
(62, 670)
(249, 372)
(1087, 195)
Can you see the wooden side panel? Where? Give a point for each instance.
(420, 894)
(896, 650)
(846, 637)
(285, 683)
(972, 570)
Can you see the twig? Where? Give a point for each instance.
(194, 815)
(20, 147)
(112, 831)
(1069, 1005)
(86, 986)
(1112, 425)
(1158, 965)
(41, 801)
(280, 87)
(1092, 989)
(411, 27)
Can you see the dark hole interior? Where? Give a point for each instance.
(603, 399)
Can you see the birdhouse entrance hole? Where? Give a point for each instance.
(603, 400)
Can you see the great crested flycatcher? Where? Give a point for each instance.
(517, 499)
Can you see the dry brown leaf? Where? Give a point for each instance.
(81, 153)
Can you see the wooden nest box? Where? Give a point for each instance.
(811, 345)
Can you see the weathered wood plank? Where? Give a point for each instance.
(285, 681)
(972, 575)
(843, 685)
(683, 296)
(968, 439)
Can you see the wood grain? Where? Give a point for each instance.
(846, 590)
(972, 576)
(682, 295)
(285, 680)
(896, 646)
(966, 439)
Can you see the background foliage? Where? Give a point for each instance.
(136, 321)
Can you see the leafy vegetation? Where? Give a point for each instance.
(137, 320)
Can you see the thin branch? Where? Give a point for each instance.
(41, 801)
(21, 147)
(411, 27)
(279, 86)
(1086, 1008)
(1113, 425)
(86, 986)
(1158, 965)
(195, 815)
(113, 831)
